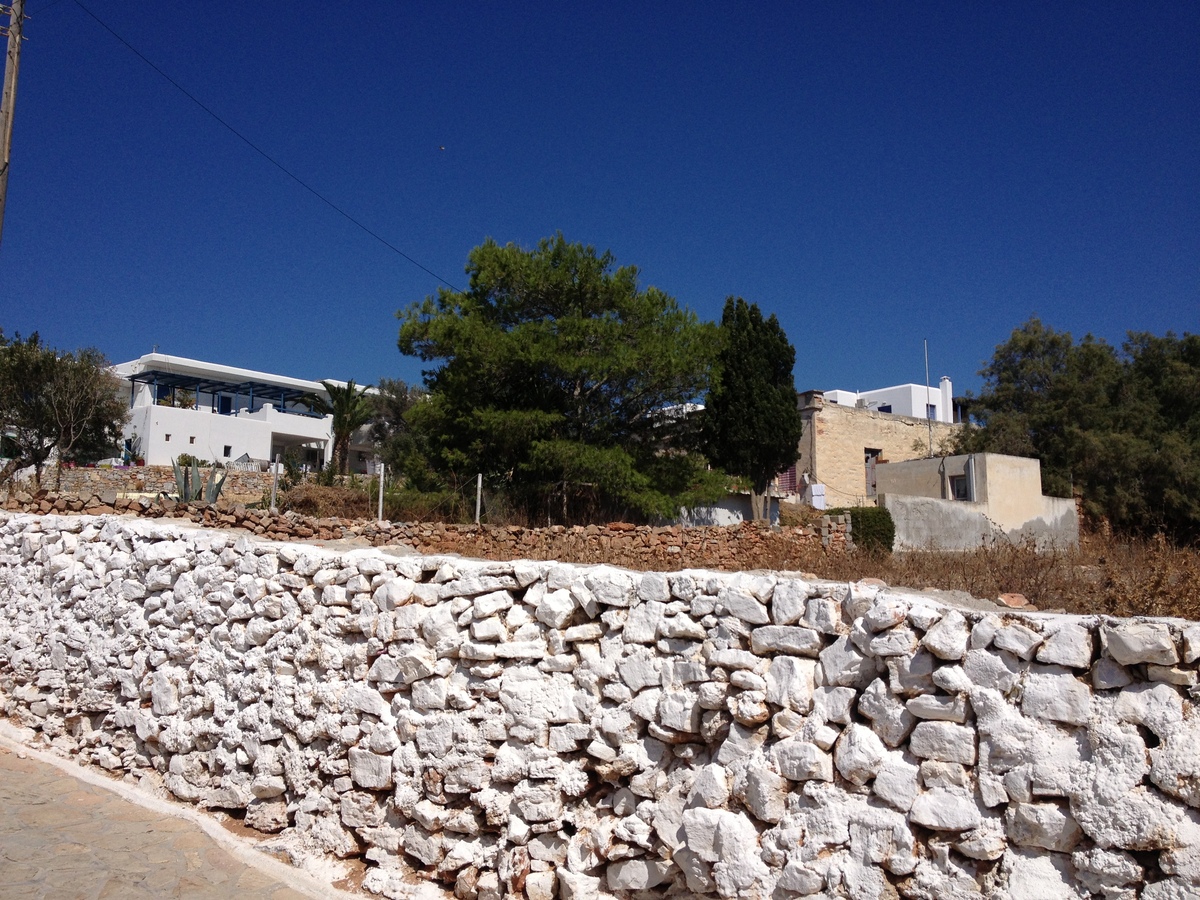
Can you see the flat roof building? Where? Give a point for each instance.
(225, 414)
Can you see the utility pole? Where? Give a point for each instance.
(12, 62)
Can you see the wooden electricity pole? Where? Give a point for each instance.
(12, 62)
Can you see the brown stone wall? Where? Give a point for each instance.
(728, 548)
(138, 480)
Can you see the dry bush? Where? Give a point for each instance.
(1105, 575)
(323, 502)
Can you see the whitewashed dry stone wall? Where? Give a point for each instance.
(538, 730)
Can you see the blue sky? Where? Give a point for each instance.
(876, 174)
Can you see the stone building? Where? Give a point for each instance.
(844, 441)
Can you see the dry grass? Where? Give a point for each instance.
(357, 501)
(1116, 576)
(324, 502)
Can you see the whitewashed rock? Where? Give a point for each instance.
(1038, 876)
(1067, 644)
(943, 741)
(369, 770)
(554, 609)
(1056, 695)
(638, 874)
(948, 638)
(859, 754)
(999, 670)
(885, 612)
(1130, 643)
(845, 666)
(1018, 640)
(785, 639)
(1175, 763)
(1101, 870)
(897, 781)
(1047, 825)
(788, 601)
(943, 810)
(824, 615)
(801, 760)
(889, 717)
(938, 707)
(790, 683)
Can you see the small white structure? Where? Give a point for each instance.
(225, 414)
(915, 400)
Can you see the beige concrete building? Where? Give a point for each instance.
(842, 445)
(962, 502)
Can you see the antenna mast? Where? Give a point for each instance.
(12, 63)
(928, 421)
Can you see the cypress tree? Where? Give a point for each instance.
(752, 416)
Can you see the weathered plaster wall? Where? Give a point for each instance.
(923, 523)
(542, 730)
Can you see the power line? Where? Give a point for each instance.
(263, 153)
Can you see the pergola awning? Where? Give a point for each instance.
(202, 385)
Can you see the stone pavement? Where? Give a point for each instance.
(62, 838)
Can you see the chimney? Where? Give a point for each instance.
(947, 404)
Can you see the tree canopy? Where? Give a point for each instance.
(63, 405)
(752, 415)
(564, 382)
(1120, 428)
(352, 408)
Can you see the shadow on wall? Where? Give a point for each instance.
(923, 523)
(733, 510)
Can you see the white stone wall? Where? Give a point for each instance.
(540, 730)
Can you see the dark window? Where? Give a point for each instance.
(960, 487)
(192, 439)
(225, 407)
(871, 456)
(167, 438)
(228, 450)
(885, 407)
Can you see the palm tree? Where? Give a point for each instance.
(351, 409)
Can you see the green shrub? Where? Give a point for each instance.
(872, 527)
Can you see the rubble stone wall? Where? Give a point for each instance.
(734, 547)
(542, 730)
(129, 480)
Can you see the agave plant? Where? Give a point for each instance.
(192, 488)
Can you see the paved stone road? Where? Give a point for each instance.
(64, 839)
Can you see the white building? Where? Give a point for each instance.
(915, 400)
(225, 414)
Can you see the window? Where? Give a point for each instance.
(931, 411)
(225, 406)
(166, 438)
(885, 407)
(228, 451)
(192, 439)
(960, 487)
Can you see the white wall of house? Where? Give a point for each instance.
(227, 424)
(914, 400)
(165, 432)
